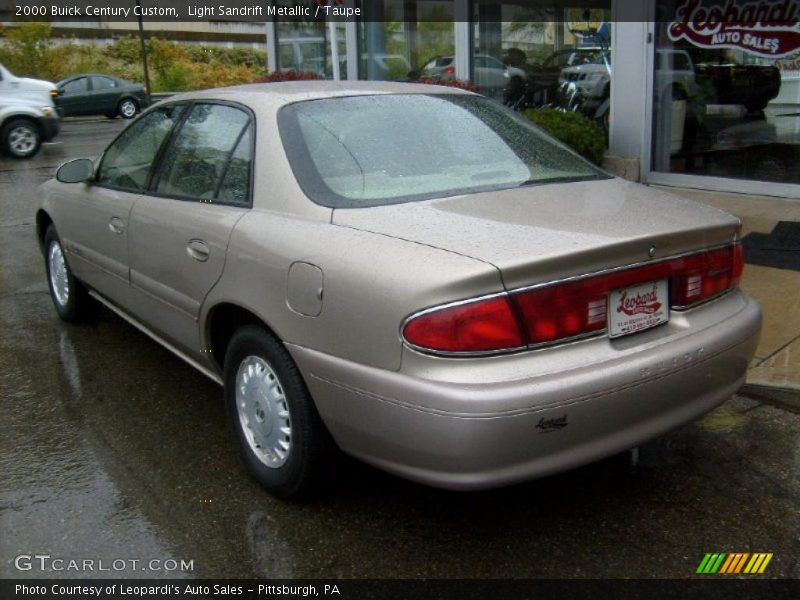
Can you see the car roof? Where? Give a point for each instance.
(287, 92)
(77, 75)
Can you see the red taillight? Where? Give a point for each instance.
(563, 311)
(480, 326)
(560, 311)
(705, 275)
(449, 70)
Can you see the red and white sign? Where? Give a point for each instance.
(761, 27)
(637, 307)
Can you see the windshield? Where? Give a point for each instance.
(384, 149)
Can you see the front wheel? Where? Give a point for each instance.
(72, 301)
(280, 434)
(127, 108)
(21, 138)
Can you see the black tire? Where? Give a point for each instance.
(756, 106)
(309, 442)
(77, 306)
(127, 108)
(21, 138)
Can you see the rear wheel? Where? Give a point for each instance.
(21, 138)
(127, 108)
(281, 437)
(754, 106)
(72, 301)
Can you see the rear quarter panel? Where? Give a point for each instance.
(371, 283)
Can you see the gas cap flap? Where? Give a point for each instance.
(304, 289)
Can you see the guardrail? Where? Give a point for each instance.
(161, 96)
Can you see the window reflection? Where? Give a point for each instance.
(725, 111)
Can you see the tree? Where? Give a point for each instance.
(28, 51)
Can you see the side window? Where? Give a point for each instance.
(493, 63)
(235, 186)
(102, 83)
(128, 161)
(77, 86)
(196, 161)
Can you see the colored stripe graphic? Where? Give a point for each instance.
(703, 564)
(726, 565)
(734, 563)
(711, 563)
(740, 562)
(758, 563)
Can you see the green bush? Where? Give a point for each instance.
(577, 131)
(28, 49)
(126, 49)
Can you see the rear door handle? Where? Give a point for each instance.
(198, 250)
(116, 225)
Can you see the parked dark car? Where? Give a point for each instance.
(750, 85)
(97, 94)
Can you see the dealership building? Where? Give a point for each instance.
(694, 93)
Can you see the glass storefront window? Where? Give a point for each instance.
(306, 46)
(726, 102)
(544, 57)
(399, 40)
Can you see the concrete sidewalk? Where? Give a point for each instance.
(775, 370)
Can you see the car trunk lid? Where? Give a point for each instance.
(540, 233)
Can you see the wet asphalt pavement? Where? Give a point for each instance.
(111, 448)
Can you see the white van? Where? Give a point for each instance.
(27, 114)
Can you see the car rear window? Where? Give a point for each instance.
(385, 149)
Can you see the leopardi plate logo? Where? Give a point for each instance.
(722, 563)
(641, 304)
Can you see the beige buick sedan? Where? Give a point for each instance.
(411, 274)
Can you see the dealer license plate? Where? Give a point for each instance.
(637, 307)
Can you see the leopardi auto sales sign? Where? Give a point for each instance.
(761, 27)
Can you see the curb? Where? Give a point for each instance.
(781, 397)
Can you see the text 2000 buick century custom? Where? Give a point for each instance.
(410, 273)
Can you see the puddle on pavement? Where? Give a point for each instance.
(723, 420)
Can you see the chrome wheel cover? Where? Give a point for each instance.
(263, 412)
(128, 109)
(22, 140)
(59, 280)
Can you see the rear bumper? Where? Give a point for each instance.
(471, 435)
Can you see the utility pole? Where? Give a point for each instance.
(144, 49)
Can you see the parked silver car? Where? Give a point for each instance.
(412, 274)
(490, 73)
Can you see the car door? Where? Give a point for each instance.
(93, 223)
(104, 93)
(72, 97)
(179, 232)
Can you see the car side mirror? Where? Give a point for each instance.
(75, 171)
